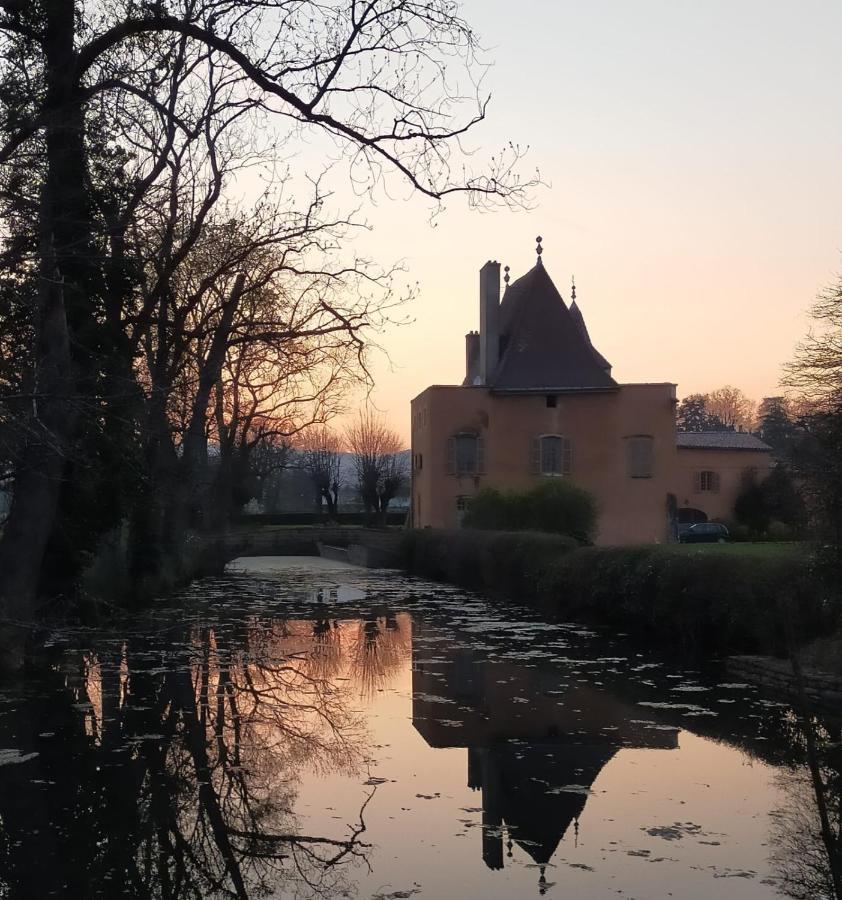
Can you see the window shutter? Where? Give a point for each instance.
(697, 482)
(535, 456)
(566, 456)
(480, 456)
(451, 456)
(715, 482)
(640, 456)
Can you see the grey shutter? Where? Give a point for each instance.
(535, 456)
(566, 456)
(648, 447)
(697, 482)
(715, 482)
(480, 456)
(640, 456)
(451, 456)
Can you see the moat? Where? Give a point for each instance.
(301, 729)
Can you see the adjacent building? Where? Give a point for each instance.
(539, 401)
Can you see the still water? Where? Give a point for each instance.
(303, 729)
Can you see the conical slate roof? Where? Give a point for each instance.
(579, 319)
(543, 346)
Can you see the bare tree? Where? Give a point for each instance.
(320, 454)
(815, 373)
(87, 85)
(732, 407)
(381, 467)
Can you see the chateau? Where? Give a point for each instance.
(539, 401)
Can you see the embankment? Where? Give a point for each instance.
(720, 599)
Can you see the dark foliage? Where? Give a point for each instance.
(771, 508)
(555, 507)
(705, 598)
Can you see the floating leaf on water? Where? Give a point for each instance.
(12, 757)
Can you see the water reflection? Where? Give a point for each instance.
(807, 827)
(535, 746)
(172, 772)
(182, 756)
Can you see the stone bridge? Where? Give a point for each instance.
(360, 546)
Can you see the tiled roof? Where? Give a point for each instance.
(544, 347)
(720, 440)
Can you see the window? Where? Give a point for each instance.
(552, 454)
(640, 456)
(552, 401)
(707, 482)
(465, 454)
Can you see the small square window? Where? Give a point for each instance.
(552, 401)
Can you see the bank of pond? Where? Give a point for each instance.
(712, 598)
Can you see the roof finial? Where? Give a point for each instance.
(506, 276)
(539, 249)
(573, 287)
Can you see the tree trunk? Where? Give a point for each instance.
(196, 441)
(62, 229)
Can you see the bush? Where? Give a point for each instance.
(554, 506)
(705, 598)
(510, 563)
(772, 508)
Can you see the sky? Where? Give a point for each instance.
(692, 153)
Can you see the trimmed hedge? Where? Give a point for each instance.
(695, 597)
(554, 506)
(510, 563)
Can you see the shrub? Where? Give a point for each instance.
(554, 506)
(510, 563)
(772, 508)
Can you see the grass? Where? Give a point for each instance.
(764, 550)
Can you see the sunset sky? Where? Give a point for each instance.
(693, 155)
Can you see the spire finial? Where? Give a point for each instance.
(539, 249)
(506, 276)
(573, 287)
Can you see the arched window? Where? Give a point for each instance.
(552, 454)
(465, 454)
(707, 482)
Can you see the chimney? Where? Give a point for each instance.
(471, 357)
(489, 320)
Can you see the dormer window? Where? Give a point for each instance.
(552, 454)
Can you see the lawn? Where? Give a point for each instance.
(765, 550)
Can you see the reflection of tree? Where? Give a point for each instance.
(381, 646)
(801, 858)
(176, 775)
(807, 831)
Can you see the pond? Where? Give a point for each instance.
(298, 728)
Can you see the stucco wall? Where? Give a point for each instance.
(632, 510)
(729, 465)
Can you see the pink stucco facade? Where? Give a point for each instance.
(597, 425)
(632, 510)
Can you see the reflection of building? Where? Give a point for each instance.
(528, 735)
(539, 401)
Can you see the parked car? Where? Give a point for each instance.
(705, 533)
